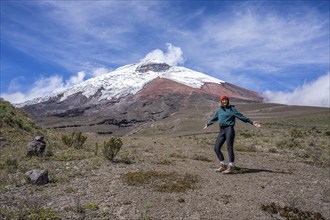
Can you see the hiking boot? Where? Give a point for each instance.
(222, 168)
(229, 170)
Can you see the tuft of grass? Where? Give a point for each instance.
(91, 206)
(288, 144)
(177, 155)
(164, 161)
(178, 184)
(290, 212)
(247, 135)
(201, 158)
(70, 190)
(295, 133)
(162, 181)
(245, 148)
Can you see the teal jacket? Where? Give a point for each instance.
(226, 117)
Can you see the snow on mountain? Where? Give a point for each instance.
(130, 79)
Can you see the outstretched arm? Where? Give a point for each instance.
(211, 122)
(241, 117)
(245, 119)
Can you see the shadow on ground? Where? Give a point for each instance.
(244, 170)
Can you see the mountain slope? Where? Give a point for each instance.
(132, 94)
(128, 80)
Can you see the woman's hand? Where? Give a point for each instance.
(205, 126)
(257, 124)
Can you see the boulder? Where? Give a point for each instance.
(36, 147)
(39, 177)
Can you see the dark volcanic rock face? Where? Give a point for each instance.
(156, 67)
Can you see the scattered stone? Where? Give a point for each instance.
(39, 177)
(36, 147)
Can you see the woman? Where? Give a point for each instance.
(226, 116)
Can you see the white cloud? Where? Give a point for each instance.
(263, 42)
(15, 97)
(42, 87)
(173, 56)
(99, 72)
(76, 79)
(310, 94)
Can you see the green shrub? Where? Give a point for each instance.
(111, 148)
(201, 158)
(296, 133)
(15, 118)
(9, 163)
(288, 144)
(91, 206)
(74, 139)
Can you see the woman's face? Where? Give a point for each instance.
(224, 102)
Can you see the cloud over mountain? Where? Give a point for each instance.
(173, 55)
(315, 93)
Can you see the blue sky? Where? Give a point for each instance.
(277, 48)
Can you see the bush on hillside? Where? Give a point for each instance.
(75, 139)
(15, 118)
(111, 148)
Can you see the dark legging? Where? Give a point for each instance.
(226, 134)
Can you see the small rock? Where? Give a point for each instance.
(39, 177)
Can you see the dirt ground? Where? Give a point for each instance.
(94, 188)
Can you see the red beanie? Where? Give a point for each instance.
(224, 97)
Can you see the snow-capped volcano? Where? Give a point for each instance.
(131, 95)
(130, 79)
